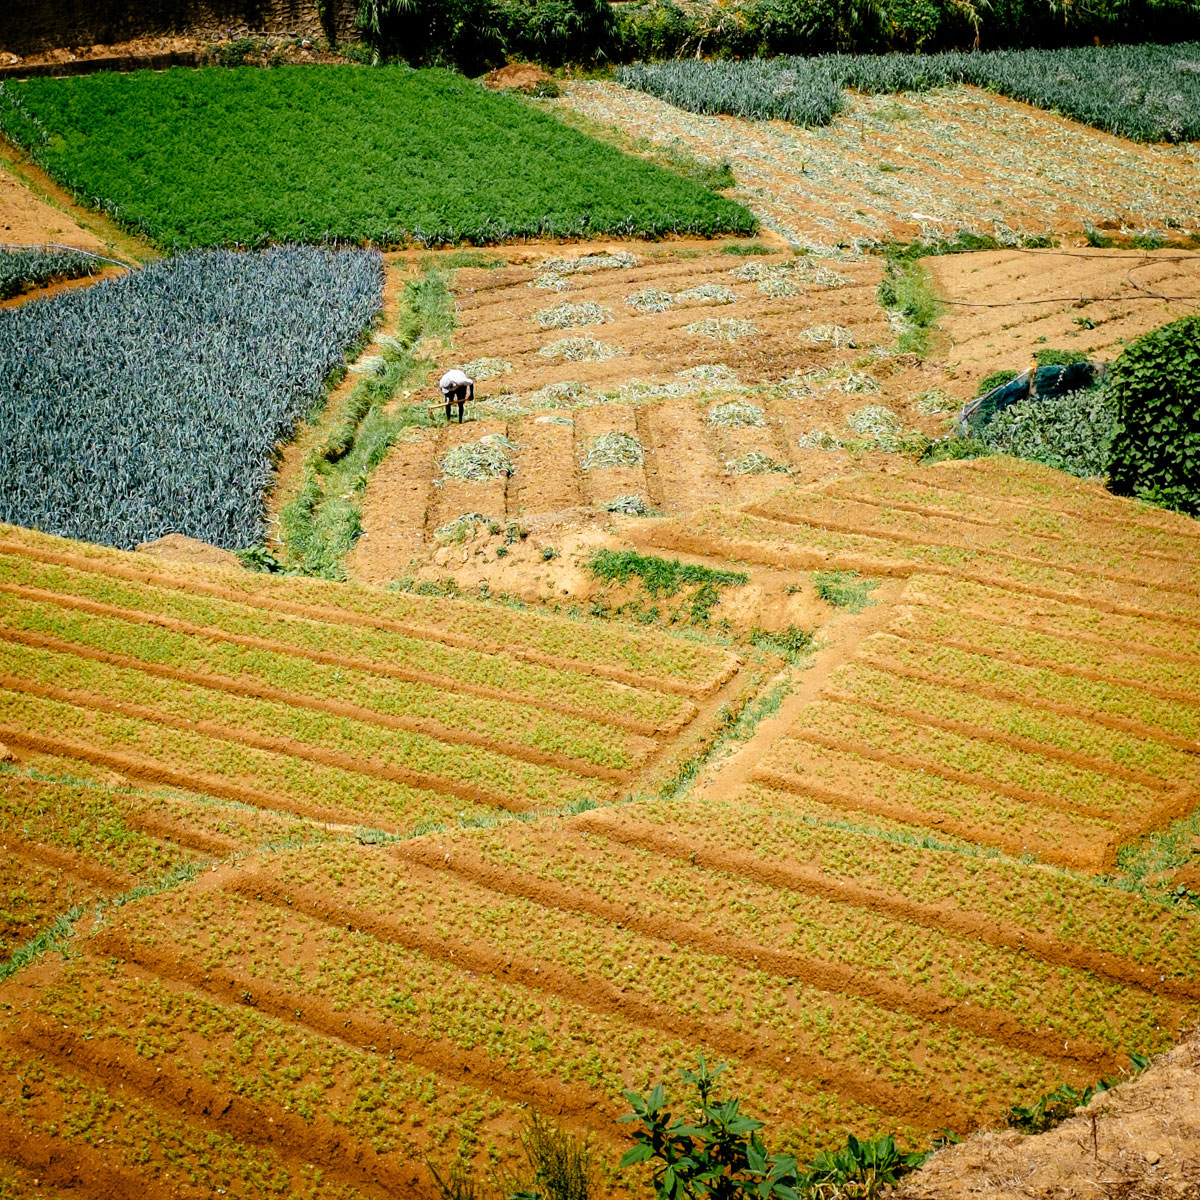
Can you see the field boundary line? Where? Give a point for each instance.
(324, 615)
(283, 747)
(939, 483)
(608, 823)
(286, 650)
(841, 491)
(1012, 620)
(462, 1068)
(924, 1004)
(603, 998)
(148, 771)
(1059, 668)
(989, 691)
(967, 729)
(56, 1163)
(63, 860)
(1015, 845)
(196, 1099)
(931, 767)
(904, 538)
(238, 687)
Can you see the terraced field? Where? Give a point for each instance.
(326, 962)
(920, 166)
(717, 365)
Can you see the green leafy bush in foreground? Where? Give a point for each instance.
(1148, 93)
(1155, 386)
(245, 156)
(153, 403)
(717, 1151)
(1072, 432)
(35, 265)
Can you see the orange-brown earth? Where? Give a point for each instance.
(859, 902)
(808, 356)
(1002, 306)
(927, 166)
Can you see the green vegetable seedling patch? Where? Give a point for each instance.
(244, 157)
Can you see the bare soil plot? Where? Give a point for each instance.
(709, 368)
(1004, 305)
(922, 166)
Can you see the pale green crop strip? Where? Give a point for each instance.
(1032, 684)
(1065, 620)
(986, 886)
(1055, 731)
(989, 816)
(334, 794)
(511, 722)
(750, 914)
(591, 695)
(1060, 782)
(968, 631)
(652, 655)
(370, 745)
(724, 994)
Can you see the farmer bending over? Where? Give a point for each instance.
(457, 388)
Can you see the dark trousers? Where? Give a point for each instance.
(460, 395)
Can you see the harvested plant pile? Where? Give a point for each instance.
(240, 157)
(153, 403)
(1147, 93)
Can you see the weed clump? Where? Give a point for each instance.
(844, 589)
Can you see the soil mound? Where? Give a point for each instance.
(521, 77)
(1137, 1141)
(178, 546)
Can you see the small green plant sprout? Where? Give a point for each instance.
(581, 349)
(936, 402)
(461, 528)
(650, 300)
(836, 336)
(708, 293)
(844, 589)
(819, 439)
(630, 505)
(549, 554)
(615, 449)
(714, 1151)
(756, 463)
(792, 643)
(735, 414)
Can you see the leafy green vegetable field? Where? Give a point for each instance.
(1147, 93)
(316, 154)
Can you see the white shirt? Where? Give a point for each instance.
(452, 380)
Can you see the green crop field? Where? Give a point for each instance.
(317, 154)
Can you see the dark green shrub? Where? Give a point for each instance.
(1059, 358)
(1155, 385)
(994, 380)
(1072, 432)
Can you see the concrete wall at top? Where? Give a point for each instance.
(34, 26)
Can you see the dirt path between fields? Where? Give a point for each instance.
(842, 636)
